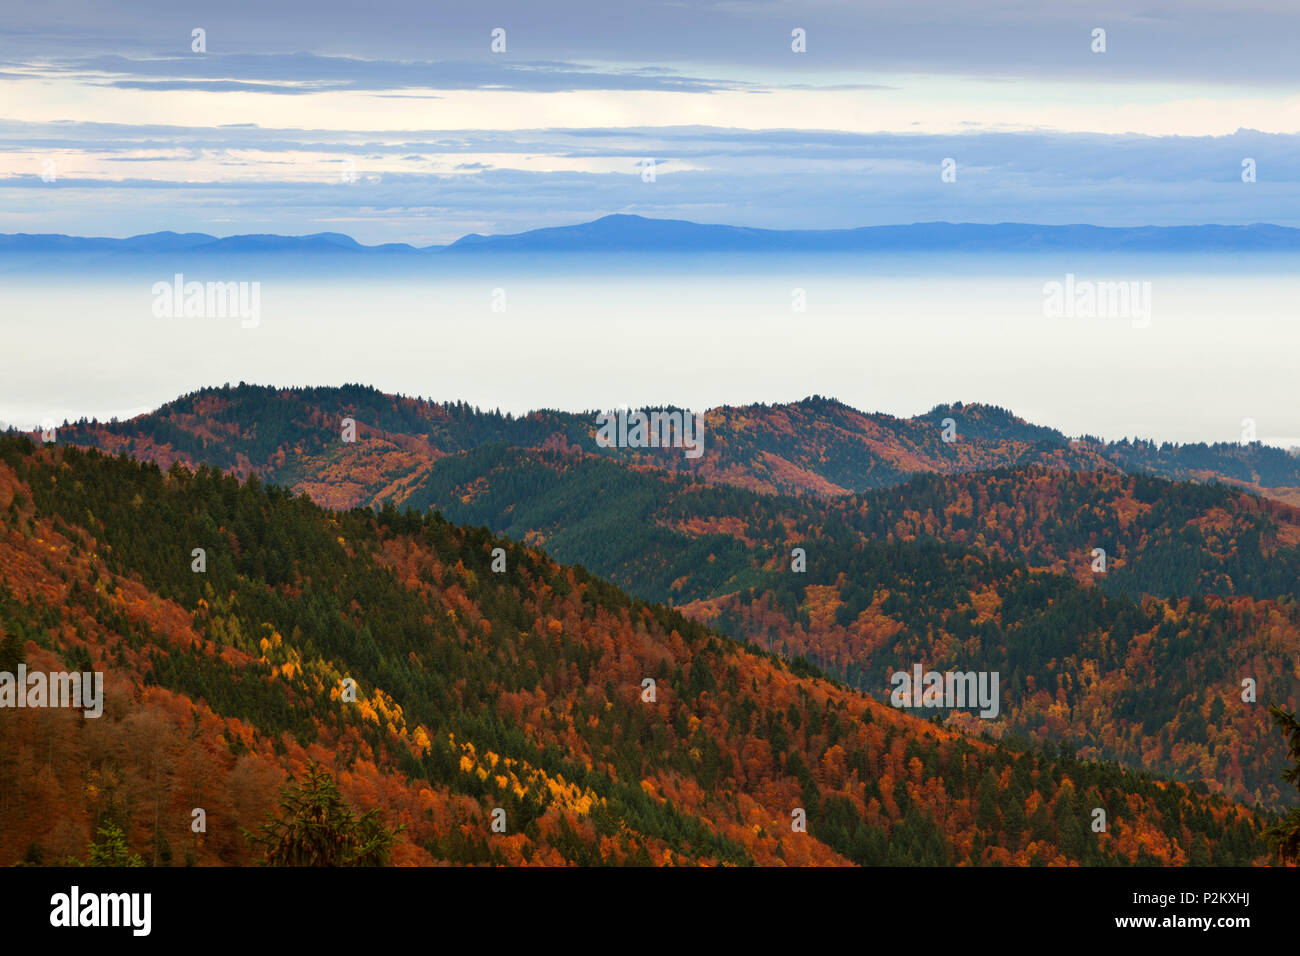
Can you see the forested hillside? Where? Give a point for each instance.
(1140, 662)
(816, 446)
(1138, 659)
(476, 690)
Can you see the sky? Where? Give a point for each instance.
(398, 122)
(421, 122)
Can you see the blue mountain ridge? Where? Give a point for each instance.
(629, 234)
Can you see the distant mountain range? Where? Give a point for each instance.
(638, 234)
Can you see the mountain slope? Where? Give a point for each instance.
(993, 567)
(521, 690)
(1198, 592)
(816, 446)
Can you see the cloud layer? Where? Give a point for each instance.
(402, 123)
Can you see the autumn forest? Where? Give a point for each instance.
(473, 638)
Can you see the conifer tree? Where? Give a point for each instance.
(1285, 835)
(317, 827)
(111, 849)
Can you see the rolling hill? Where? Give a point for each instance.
(519, 689)
(986, 552)
(816, 446)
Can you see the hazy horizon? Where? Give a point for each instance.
(130, 119)
(1214, 347)
(380, 242)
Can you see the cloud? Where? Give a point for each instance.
(209, 86)
(762, 178)
(298, 73)
(1220, 41)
